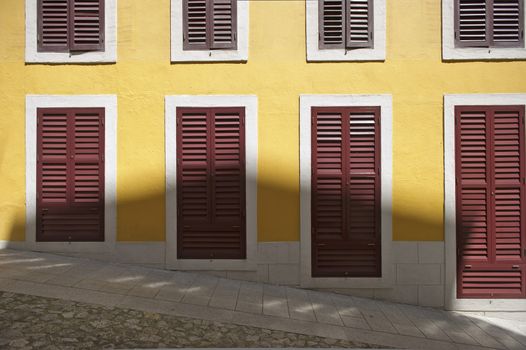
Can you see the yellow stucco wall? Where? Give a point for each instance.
(277, 73)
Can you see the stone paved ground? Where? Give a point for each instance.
(260, 305)
(29, 322)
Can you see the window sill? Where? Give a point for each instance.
(341, 55)
(483, 53)
(209, 56)
(66, 57)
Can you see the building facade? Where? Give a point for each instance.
(371, 147)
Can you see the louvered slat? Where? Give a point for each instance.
(224, 24)
(359, 23)
(53, 149)
(87, 33)
(328, 206)
(70, 175)
(331, 24)
(345, 192)
(53, 25)
(89, 148)
(195, 24)
(471, 23)
(228, 184)
(194, 167)
(211, 183)
(507, 22)
(508, 174)
(363, 189)
(473, 184)
(346, 259)
(493, 283)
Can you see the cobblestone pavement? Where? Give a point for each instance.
(251, 304)
(29, 322)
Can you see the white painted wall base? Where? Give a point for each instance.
(418, 270)
(418, 267)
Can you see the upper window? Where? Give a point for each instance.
(345, 24)
(70, 31)
(489, 23)
(209, 25)
(483, 29)
(345, 30)
(70, 25)
(209, 30)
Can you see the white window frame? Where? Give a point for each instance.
(385, 104)
(314, 53)
(450, 52)
(450, 235)
(109, 55)
(180, 55)
(109, 103)
(251, 160)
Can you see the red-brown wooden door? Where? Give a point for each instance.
(490, 201)
(346, 208)
(70, 174)
(211, 218)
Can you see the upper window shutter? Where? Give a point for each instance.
(87, 25)
(195, 28)
(53, 25)
(211, 183)
(224, 24)
(346, 207)
(345, 24)
(359, 30)
(209, 24)
(508, 23)
(489, 23)
(471, 23)
(331, 24)
(70, 25)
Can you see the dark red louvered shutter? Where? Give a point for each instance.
(490, 171)
(195, 28)
(53, 25)
(70, 174)
(331, 24)
(346, 208)
(359, 31)
(70, 25)
(211, 183)
(224, 24)
(471, 23)
(489, 23)
(209, 24)
(507, 23)
(87, 25)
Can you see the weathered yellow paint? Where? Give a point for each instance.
(277, 73)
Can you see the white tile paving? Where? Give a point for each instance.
(256, 304)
